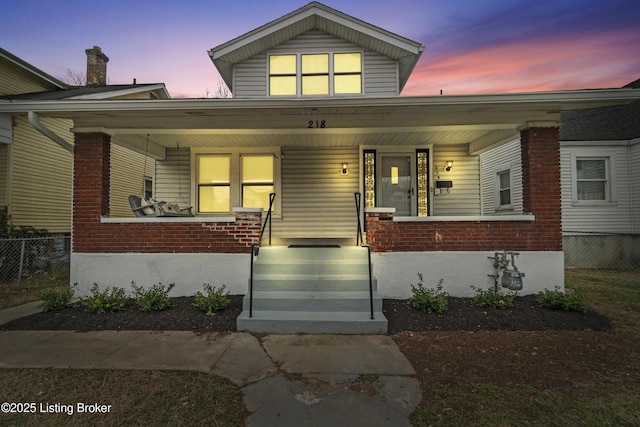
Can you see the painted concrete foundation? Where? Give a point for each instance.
(395, 271)
(188, 271)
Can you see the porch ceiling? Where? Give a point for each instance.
(480, 121)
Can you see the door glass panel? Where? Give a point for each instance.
(395, 184)
(422, 181)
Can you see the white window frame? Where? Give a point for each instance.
(498, 171)
(331, 73)
(609, 157)
(235, 168)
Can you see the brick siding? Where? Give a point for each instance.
(541, 192)
(91, 202)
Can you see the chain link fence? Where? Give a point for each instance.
(602, 260)
(601, 251)
(29, 256)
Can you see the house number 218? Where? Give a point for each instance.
(317, 124)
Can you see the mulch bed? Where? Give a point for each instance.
(525, 315)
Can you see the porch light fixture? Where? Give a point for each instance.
(345, 168)
(449, 165)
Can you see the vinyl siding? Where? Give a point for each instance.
(612, 217)
(317, 200)
(173, 177)
(4, 168)
(464, 198)
(127, 178)
(15, 80)
(40, 177)
(380, 72)
(501, 158)
(635, 185)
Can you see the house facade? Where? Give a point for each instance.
(317, 118)
(40, 197)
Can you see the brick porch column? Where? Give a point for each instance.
(91, 162)
(540, 147)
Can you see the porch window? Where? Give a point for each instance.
(504, 189)
(591, 179)
(257, 181)
(214, 187)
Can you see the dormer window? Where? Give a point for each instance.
(282, 75)
(315, 74)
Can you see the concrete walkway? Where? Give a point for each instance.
(286, 380)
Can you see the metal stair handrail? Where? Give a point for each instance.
(255, 249)
(360, 242)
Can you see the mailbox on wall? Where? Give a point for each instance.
(444, 185)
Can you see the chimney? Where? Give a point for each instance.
(96, 67)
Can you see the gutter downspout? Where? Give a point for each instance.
(34, 119)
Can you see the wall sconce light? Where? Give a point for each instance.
(449, 165)
(345, 168)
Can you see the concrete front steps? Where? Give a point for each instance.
(313, 290)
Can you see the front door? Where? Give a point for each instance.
(396, 187)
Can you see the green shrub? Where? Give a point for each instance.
(558, 300)
(494, 297)
(429, 300)
(214, 299)
(55, 298)
(154, 299)
(111, 300)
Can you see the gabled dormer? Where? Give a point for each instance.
(313, 52)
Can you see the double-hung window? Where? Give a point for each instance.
(591, 179)
(257, 181)
(235, 179)
(504, 189)
(315, 74)
(283, 75)
(214, 183)
(593, 176)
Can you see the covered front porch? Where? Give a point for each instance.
(424, 227)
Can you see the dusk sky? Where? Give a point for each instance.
(471, 46)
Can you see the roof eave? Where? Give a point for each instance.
(558, 100)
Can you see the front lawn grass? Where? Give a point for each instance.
(151, 398)
(600, 402)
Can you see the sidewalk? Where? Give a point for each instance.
(320, 395)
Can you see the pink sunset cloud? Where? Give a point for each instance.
(588, 61)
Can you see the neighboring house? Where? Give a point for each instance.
(37, 196)
(316, 118)
(600, 184)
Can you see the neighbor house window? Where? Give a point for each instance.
(504, 188)
(592, 179)
(214, 186)
(257, 181)
(315, 74)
